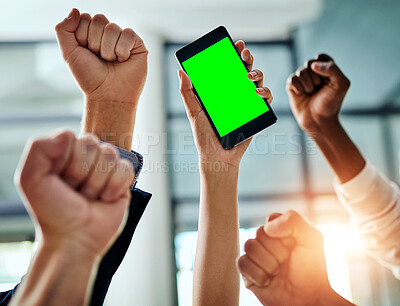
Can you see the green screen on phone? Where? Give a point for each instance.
(220, 79)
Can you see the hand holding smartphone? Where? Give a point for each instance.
(233, 108)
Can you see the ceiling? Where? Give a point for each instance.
(176, 20)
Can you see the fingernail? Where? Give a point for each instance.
(267, 282)
(260, 90)
(89, 193)
(107, 196)
(253, 74)
(316, 65)
(248, 283)
(179, 76)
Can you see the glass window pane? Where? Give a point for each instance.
(13, 138)
(366, 132)
(14, 262)
(173, 98)
(395, 128)
(38, 81)
(272, 164)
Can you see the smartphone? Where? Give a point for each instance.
(221, 85)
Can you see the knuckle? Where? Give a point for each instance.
(242, 263)
(250, 245)
(260, 232)
(68, 133)
(89, 140)
(182, 91)
(129, 32)
(85, 16)
(318, 237)
(109, 152)
(112, 27)
(34, 144)
(87, 144)
(22, 178)
(292, 215)
(99, 18)
(58, 27)
(302, 72)
(346, 82)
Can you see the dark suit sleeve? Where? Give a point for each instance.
(6, 296)
(113, 258)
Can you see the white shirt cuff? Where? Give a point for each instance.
(354, 189)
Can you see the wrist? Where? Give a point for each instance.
(218, 168)
(219, 179)
(104, 100)
(68, 250)
(111, 121)
(326, 129)
(330, 298)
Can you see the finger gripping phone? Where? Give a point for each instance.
(221, 85)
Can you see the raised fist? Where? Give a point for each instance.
(316, 93)
(76, 190)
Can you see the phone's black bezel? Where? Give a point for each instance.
(250, 128)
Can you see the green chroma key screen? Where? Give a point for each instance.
(220, 80)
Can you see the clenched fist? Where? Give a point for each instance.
(316, 93)
(285, 264)
(76, 191)
(108, 63)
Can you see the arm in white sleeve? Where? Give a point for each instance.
(373, 202)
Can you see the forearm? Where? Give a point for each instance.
(57, 277)
(339, 150)
(110, 121)
(216, 280)
(332, 298)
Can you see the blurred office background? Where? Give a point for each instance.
(282, 168)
